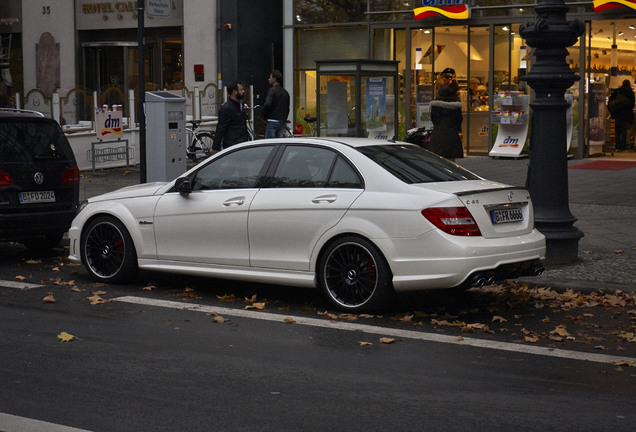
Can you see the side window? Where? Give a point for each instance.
(343, 176)
(237, 170)
(303, 166)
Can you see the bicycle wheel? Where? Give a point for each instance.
(202, 144)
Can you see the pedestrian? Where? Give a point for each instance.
(232, 126)
(4, 94)
(621, 107)
(447, 77)
(276, 106)
(446, 115)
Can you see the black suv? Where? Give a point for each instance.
(39, 180)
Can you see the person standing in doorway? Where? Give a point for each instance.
(232, 126)
(621, 107)
(276, 106)
(446, 115)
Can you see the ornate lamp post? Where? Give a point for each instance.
(550, 76)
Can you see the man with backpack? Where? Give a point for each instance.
(621, 107)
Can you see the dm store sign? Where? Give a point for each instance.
(453, 9)
(108, 124)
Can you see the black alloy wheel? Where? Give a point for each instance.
(108, 251)
(354, 275)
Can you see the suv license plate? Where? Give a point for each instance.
(506, 215)
(37, 197)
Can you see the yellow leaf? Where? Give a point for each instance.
(20, 277)
(219, 319)
(99, 293)
(531, 339)
(459, 338)
(31, 261)
(226, 297)
(289, 320)
(251, 300)
(65, 337)
(387, 340)
(364, 343)
(259, 306)
(95, 300)
(76, 289)
(56, 269)
(49, 298)
(498, 318)
(560, 330)
(624, 363)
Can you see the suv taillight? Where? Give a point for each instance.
(453, 220)
(5, 180)
(71, 176)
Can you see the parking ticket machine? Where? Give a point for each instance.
(165, 136)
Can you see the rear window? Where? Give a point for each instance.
(28, 140)
(413, 164)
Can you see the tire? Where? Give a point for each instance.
(354, 275)
(49, 241)
(108, 251)
(202, 146)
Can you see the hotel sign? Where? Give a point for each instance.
(601, 5)
(453, 9)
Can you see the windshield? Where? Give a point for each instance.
(413, 164)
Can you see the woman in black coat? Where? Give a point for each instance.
(446, 114)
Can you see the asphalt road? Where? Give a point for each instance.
(177, 353)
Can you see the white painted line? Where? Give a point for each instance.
(11, 423)
(396, 333)
(19, 285)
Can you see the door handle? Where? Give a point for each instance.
(325, 199)
(234, 202)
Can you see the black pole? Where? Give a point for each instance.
(141, 90)
(550, 76)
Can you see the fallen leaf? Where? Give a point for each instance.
(459, 338)
(149, 288)
(99, 293)
(546, 320)
(624, 363)
(20, 277)
(251, 300)
(226, 297)
(364, 343)
(259, 306)
(532, 339)
(219, 319)
(387, 340)
(76, 289)
(289, 320)
(32, 261)
(498, 318)
(95, 300)
(65, 337)
(49, 299)
(619, 251)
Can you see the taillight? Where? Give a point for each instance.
(71, 176)
(5, 180)
(453, 220)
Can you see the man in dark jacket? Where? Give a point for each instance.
(232, 126)
(276, 107)
(621, 107)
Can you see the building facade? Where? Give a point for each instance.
(480, 40)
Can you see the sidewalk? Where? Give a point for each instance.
(603, 201)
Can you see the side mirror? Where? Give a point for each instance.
(183, 185)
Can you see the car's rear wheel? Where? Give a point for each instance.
(108, 250)
(354, 275)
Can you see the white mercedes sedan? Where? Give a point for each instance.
(358, 218)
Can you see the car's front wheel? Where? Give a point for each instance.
(354, 275)
(108, 250)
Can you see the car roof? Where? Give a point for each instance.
(14, 113)
(348, 141)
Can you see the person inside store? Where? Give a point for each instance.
(276, 106)
(476, 93)
(446, 115)
(448, 78)
(232, 126)
(621, 107)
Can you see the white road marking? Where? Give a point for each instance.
(396, 333)
(19, 285)
(11, 423)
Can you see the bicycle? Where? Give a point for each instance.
(311, 123)
(200, 141)
(287, 132)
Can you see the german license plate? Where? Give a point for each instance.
(37, 197)
(506, 215)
